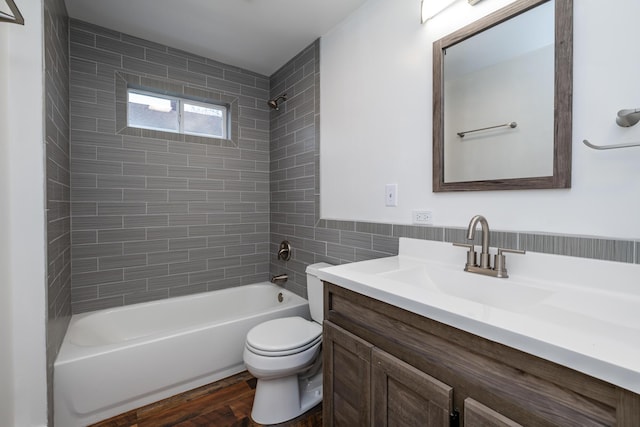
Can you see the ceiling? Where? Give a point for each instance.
(257, 35)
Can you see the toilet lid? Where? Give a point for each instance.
(284, 335)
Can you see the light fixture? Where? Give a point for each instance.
(430, 8)
(13, 15)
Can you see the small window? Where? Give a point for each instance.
(148, 110)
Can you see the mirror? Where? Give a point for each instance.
(502, 103)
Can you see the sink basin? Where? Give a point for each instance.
(506, 295)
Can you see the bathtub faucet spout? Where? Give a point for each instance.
(280, 279)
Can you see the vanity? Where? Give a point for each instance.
(415, 340)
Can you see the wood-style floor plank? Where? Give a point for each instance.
(225, 403)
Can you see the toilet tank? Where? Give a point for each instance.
(314, 291)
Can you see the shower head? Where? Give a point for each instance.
(273, 103)
(627, 118)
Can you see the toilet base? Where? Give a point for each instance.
(283, 399)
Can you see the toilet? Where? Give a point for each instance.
(285, 356)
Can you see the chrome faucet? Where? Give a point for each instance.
(500, 262)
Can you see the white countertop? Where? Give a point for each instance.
(580, 313)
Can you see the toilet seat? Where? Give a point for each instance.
(282, 337)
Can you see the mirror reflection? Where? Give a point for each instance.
(497, 84)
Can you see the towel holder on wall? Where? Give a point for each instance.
(14, 17)
(610, 147)
(625, 118)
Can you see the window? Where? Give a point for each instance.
(148, 110)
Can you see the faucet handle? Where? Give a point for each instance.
(471, 254)
(500, 261)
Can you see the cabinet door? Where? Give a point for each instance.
(478, 415)
(406, 396)
(347, 378)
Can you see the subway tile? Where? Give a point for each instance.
(123, 235)
(146, 272)
(188, 243)
(144, 169)
(187, 196)
(147, 296)
(188, 219)
(95, 166)
(187, 148)
(144, 144)
(357, 240)
(156, 233)
(187, 76)
(418, 232)
(96, 222)
(168, 257)
(122, 288)
(374, 228)
(130, 195)
(207, 184)
(187, 172)
(118, 47)
(144, 67)
(205, 230)
(206, 207)
(135, 221)
(83, 237)
(96, 304)
(121, 208)
(98, 277)
(120, 155)
(163, 58)
(206, 253)
(95, 195)
(85, 265)
(109, 263)
(187, 267)
(169, 208)
(389, 245)
(163, 282)
(146, 246)
(206, 69)
(119, 181)
(206, 276)
(172, 159)
(162, 183)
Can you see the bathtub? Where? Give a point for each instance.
(115, 360)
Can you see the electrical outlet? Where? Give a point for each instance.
(391, 194)
(423, 217)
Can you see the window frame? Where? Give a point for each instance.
(180, 103)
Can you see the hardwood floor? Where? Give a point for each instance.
(226, 403)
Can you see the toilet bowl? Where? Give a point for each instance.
(286, 358)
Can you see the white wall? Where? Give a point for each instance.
(376, 123)
(6, 312)
(22, 224)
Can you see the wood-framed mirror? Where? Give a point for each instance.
(502, 100)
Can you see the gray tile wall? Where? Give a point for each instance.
(154, 217)
(294, 146)
(56, 40)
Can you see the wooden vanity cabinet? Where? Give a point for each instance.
(385, 366)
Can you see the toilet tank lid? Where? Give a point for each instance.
(313, 268)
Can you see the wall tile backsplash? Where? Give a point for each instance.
(156, 215)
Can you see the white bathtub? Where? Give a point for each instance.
(115, 360)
